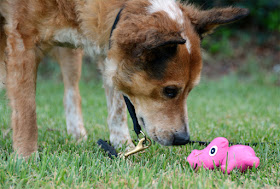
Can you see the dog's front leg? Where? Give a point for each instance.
(21, 65)
(117, 118)
(70, 61)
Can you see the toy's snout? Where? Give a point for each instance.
(193, 159)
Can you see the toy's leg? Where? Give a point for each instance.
(250, 162)
(21, 89)
(230, 167)
(70, 61)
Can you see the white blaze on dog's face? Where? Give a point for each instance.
(159, 61)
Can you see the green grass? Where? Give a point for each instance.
(238, 110)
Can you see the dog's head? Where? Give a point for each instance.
(156, 61)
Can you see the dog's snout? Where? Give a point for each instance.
(181, 138)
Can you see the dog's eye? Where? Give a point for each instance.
(213, 150)
(170, 91)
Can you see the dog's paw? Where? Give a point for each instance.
(122, 142)
(79, 133)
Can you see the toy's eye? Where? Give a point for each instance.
(213, 150)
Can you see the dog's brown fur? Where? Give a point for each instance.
(147, 55)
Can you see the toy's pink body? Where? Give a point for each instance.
(218, 153)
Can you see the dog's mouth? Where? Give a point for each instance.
(164, 137)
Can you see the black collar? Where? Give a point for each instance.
(129, 105)
(114, 26)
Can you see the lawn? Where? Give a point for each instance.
(242, 111)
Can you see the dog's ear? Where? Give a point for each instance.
(144, 35)
(205, 21)
(155, 40)
(153, 54)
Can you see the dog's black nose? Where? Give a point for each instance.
(181, 138)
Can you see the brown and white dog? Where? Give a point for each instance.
(155, 60)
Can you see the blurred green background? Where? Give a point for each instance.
(249, 48)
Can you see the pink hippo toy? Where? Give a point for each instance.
(239, 156)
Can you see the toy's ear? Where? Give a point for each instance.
(224, 144)
(205, 21)
(221, 142)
